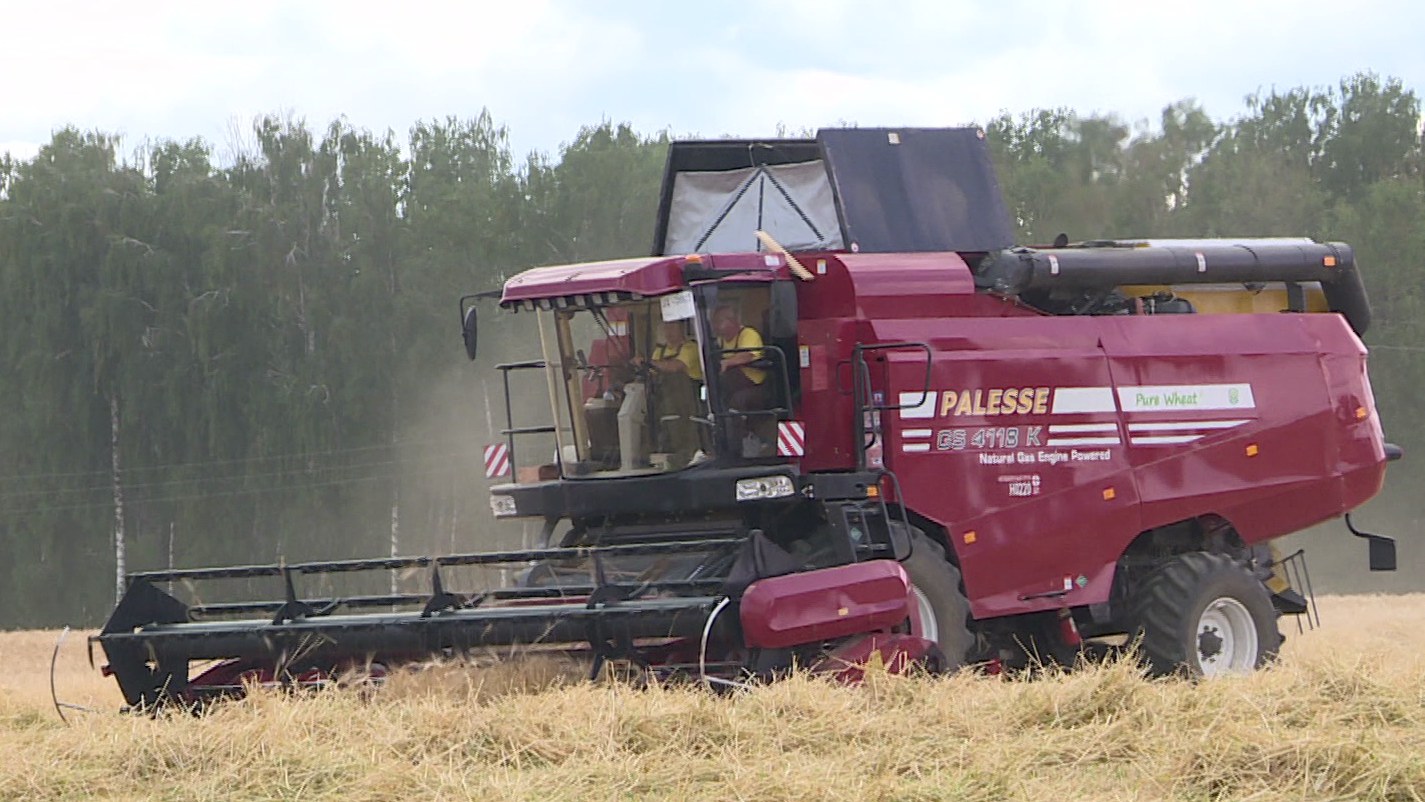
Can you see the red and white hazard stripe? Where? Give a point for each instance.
(791, 438)
(497, 460)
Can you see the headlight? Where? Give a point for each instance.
(764, 487)
(503, 506)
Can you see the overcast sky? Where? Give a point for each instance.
(178, 70)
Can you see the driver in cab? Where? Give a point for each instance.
(744, 387)
(678, 372)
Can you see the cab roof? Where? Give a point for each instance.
(602, 283)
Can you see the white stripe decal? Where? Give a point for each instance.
(915, 447)
(924, 405)
(1082, 399)
(1066, 428)
(1176, 426)
(1166, 439)
(916, 433)
(1082, 441)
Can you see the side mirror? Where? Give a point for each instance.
(468, 328)
(1382, 549)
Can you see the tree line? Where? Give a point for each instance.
(258, 358)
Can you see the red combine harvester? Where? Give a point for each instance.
(898, 434)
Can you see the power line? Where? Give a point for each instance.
(300, 455)
(299, 471)
(107, 504)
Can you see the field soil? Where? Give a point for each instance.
(1340, 716)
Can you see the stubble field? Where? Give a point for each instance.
(1341, 716)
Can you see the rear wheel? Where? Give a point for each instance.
(941, 606)
(1205, 615)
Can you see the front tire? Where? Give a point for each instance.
(941, 606)
(1205, 615)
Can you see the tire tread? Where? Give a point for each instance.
(1163, 604)
(958, 638)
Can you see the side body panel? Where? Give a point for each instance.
(1132, 422)
(1019, 454)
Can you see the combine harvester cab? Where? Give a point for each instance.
(837, 413)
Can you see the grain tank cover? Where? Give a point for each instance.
(915, 189)
(871, 190)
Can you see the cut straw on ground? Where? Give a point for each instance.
(1341, 716)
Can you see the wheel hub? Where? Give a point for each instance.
(1226, 639)
(1209, 643)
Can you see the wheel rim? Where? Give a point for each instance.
(929, 629)
(1225, 641)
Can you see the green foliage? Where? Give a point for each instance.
(279, 333)
(598, 202)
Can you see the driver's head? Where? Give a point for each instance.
(673, 333)
(725, 321)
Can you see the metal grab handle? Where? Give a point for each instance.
(925, 384)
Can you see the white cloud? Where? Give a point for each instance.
(20, 150)
(167, 69)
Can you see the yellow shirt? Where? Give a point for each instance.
(747, 338)
(687, 353)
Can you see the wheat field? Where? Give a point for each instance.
(1341, 716)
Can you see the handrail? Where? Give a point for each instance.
(865, 401)
(779, 367)
(925, 385)
(511, 429)
(530, 363)
(529, 430)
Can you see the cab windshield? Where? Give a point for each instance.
(631, 386)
